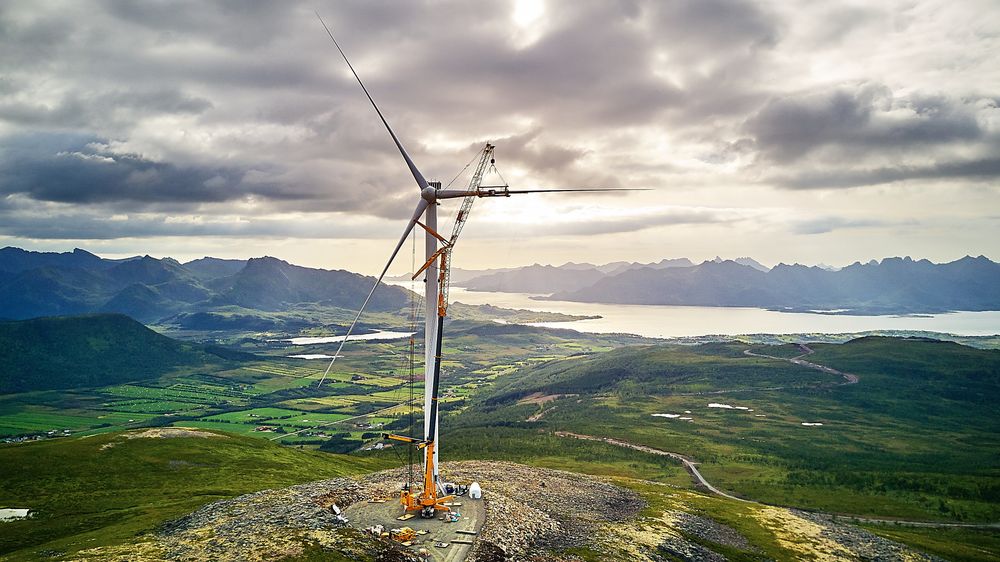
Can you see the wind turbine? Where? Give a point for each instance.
(435, 294)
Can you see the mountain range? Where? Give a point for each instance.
(547, 279)
(892, 286)
(213, 293)
(34, 284)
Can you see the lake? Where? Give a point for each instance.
(380, 335)
(679, 321)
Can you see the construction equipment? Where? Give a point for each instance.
(436, 270)
(427, 501)
(455, 489)
(402, 534)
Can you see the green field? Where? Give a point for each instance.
(274, 390)
(102, 490)
(916, 438)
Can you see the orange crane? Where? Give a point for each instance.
(427, 501)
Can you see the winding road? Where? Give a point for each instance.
(691, 466)
(798, 360)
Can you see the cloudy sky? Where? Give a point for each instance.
(789, 131)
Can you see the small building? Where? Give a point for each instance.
(475, 491)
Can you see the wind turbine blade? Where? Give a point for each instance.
(421, 182)
(500, 191)
(571, 190)
(421, 206)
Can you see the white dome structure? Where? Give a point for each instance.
(475, 491)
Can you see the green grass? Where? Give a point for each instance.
(153, 406)
(105, 489)
(246, 430)
(255, 415)
(40, 420)
(545, 450)
(739, 516)
(956, 545)
(916, 438)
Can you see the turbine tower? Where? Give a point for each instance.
(437, 252)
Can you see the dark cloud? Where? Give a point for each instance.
(984, 169)
(862, 119)
(527, 149)
(74, 169)
(88, 225)
(715, 26)
(75, 111)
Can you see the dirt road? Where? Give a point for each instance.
(798, 360)
(692, 469)
(689, 464)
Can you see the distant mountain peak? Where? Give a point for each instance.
(747, 261)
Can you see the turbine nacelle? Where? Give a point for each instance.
(430, 193)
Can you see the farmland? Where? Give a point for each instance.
(908, 441)
(273, 396)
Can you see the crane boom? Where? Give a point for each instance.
(463, 215)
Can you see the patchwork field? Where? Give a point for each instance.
(277, 397)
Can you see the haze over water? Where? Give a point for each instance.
(679, 321)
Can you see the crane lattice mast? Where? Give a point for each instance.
(427, 501)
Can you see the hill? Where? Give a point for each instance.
(81, 351)
(115, 488)
(213, 268)
(272, 284)
(911, 434)
(892, 286)
(35, 284)
(536, 278)
(16, 260)
(165, 493)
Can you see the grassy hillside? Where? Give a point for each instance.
(90, 350)
(655, 370)
(918, 368)
(915, 438)
(114, 488)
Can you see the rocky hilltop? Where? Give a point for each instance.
(532, 514)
